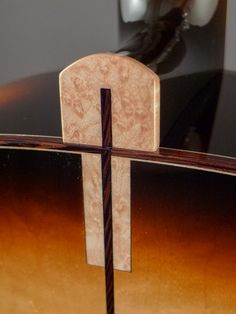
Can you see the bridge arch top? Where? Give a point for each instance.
(135, 92)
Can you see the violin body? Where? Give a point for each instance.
(183, 214)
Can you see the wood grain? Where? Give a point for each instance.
(135, 102)
(121, 213)
(93, 210)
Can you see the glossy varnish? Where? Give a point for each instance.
(197, 110)
(183, 243)
(183, 240)
(43, 267)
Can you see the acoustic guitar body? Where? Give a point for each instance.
(173, 248)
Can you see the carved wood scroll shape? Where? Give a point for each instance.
(135, 92)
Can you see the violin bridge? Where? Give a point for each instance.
(135, 119)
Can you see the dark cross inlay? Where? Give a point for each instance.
(107, 198)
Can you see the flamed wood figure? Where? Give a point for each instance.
(104, 211)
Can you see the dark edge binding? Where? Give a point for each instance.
(182, 158)
(107, 196)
